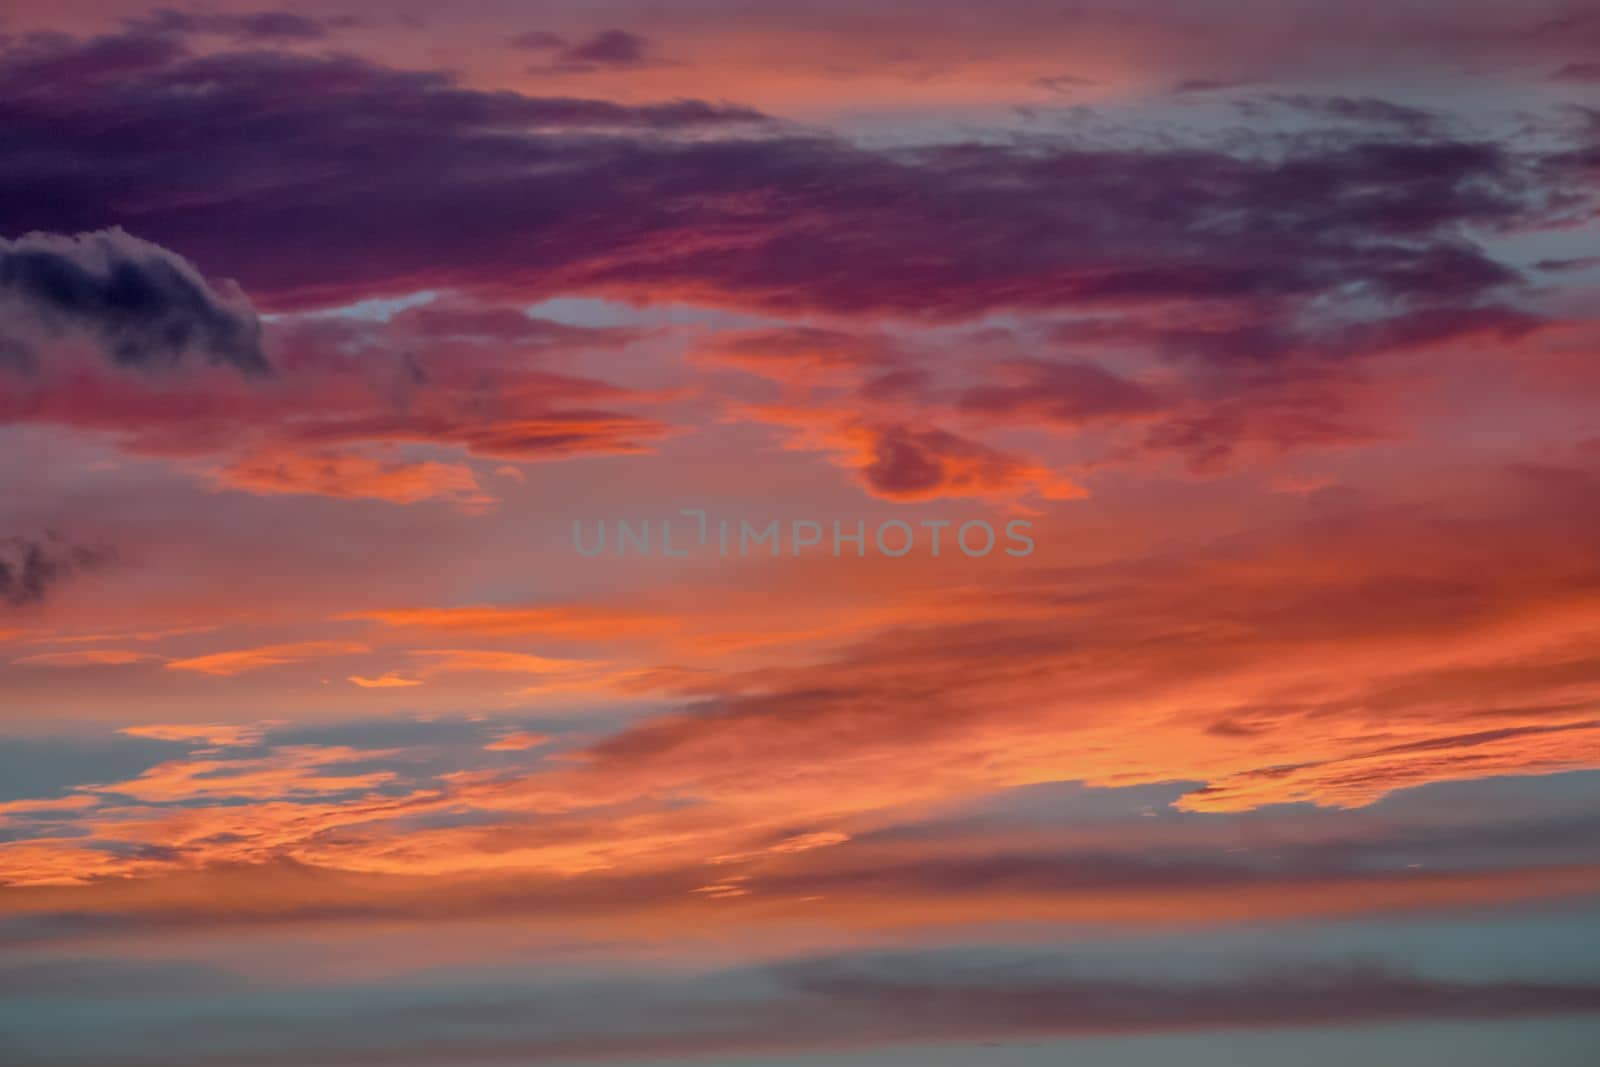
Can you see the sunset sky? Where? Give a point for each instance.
(1273, 324)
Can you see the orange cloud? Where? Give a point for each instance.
(351, 475)
(517, 742)
(567, 621)
(57, 804)
(443, 660)
(99, 657)
(293, 770)
(217, 734)
(385, 681)
(249, 659)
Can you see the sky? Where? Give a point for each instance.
(773, 535)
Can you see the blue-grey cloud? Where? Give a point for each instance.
(137, 303)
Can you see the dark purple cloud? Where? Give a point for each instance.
(318, 180)
(610, 48)
(606, 50)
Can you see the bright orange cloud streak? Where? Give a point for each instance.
(241, 660)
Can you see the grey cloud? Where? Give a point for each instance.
(137, 303)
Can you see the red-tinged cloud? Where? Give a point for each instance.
(900, 461)
(916, 415)
(354, 476)
(1209, 666)
(1208, 419)
(1212, 664)
(1063, 393)
(854, 396)
(903, 463)
(1214, 388)
(344, 408)
(803, 355)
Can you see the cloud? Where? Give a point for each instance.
(1209, 85)
(384, 681)
(538, 40)
(1574, 263)
(561, 621)
(1578, 72)
(897, 459)
(30, 568)
(904, 463)
(238, 661)
(486, 660)
(137, 303)
(1211, 626)
(603, 51)
(1214, 387)
(1363, 109)
(608, 48)
(286, 771)
(801, 353)
(869, 401)
(531, 203)
(1134, 660)
(1064, 393)
(1064, 84)
(216, 734)
(909, 997)
(354, 476)
(351, 406)
(836, 1004)
(88, 657)
(1255, 682)
(516, 742)
(256, 27)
